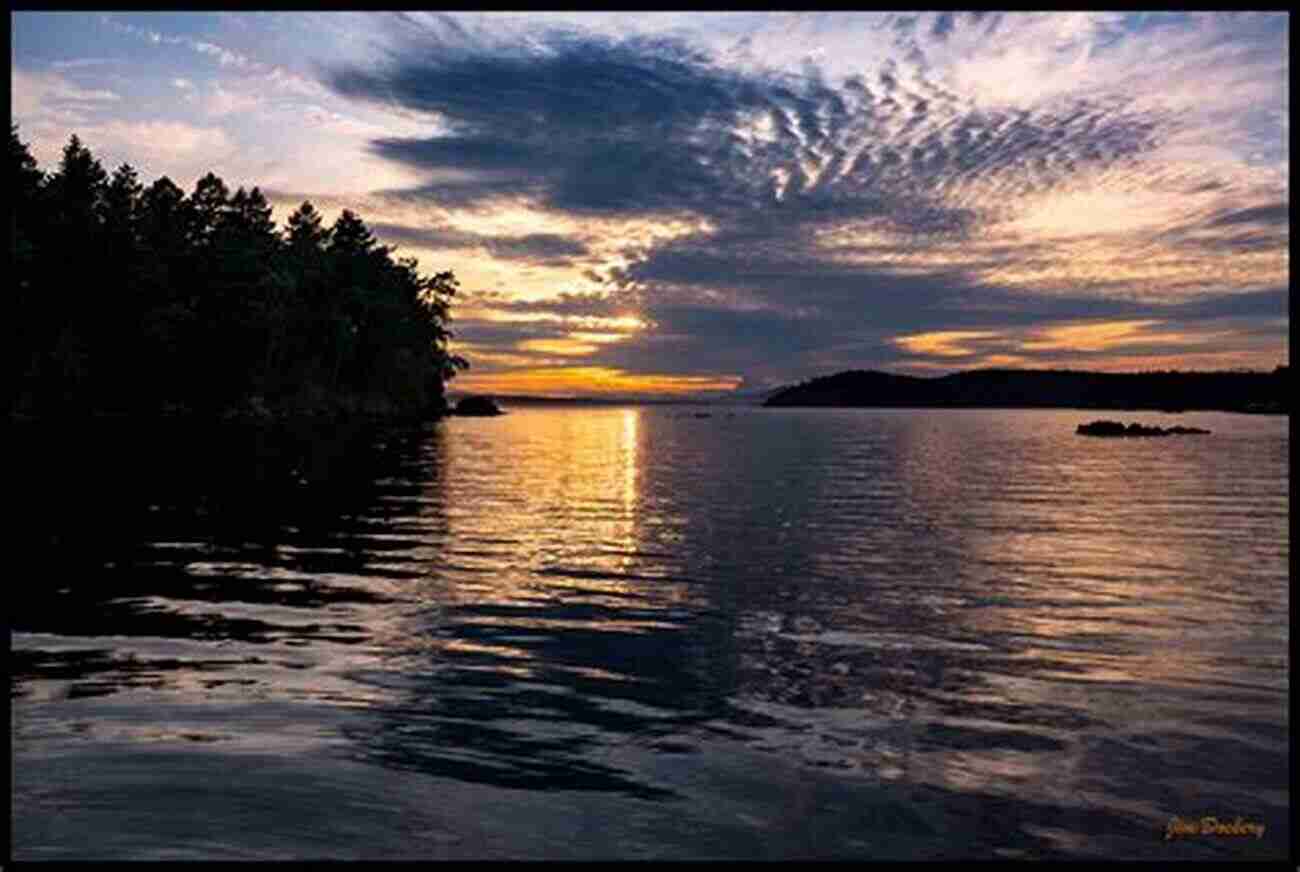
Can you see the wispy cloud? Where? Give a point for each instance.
(81, 63)
(223, 56)
(274, 75)
(166, 138)
(32, 91)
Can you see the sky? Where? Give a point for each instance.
(685, 203)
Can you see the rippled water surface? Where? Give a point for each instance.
(644, 633)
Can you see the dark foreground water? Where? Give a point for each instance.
(640, 633)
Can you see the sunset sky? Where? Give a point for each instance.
(659, 203)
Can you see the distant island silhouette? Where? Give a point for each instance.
(1234, 391)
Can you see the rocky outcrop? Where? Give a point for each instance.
(477, 406)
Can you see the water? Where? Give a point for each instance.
(641, 633)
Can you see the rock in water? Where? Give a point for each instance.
(1101, 428)
(1115, 428)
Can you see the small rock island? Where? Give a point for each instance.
(478, 406)
(1115, 428)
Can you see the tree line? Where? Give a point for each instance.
(133, 298)
(1073, 389)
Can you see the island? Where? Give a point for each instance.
(1169, 391)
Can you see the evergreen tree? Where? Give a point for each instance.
(78, 190)
(25, 178)
(206, 204)
(117, 358)
(26, 331)
(73, 221)
(307, 233)
(168, 300)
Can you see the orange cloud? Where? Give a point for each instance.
(599, 338)
(942, 343)
(1099, 336)
(1076, 344)
(591, 322)
(562, 347)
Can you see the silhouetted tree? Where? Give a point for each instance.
(25, 178)
(300, 342)
(25, 331)
(207, 203)
(167, 298)
(120, 306)
(74, 201)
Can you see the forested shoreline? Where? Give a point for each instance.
(1070, 389)
(135, 299)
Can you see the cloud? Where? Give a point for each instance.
(562, 347)
(224, 56)
(537, 247)
(943, 343)
(650, 125)
(164, 141)
(49, 106)
(564, 305)
(155, 147)
(221, 101)
(32, 92)
(269, 74)
(1271, 214)
(1097, 344)
(897, 189)
(81, 63)
(436, 239)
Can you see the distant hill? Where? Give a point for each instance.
(1022, 388)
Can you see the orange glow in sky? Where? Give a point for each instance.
(581, 380)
